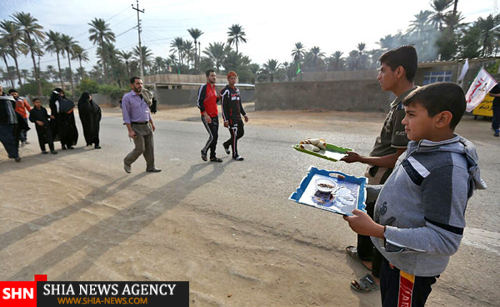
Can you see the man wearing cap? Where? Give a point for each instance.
(231, 110)
(137, 118)
(22, 108)
(207, 103)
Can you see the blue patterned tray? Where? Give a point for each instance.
(331, 191)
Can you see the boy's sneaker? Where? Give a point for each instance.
(53, 152)
(44, 152)
(238, 158)
(18, 159)
(226, 149)
(496, 133)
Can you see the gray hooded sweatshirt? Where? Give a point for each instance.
(423, 204)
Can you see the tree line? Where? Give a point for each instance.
(437, 34)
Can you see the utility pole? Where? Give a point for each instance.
(141, 65)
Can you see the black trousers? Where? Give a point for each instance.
(366, 249)
(213, 135)
(495, 122)
(237, 131)
(402, 289)
(45, 136)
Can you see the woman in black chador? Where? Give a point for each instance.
(90, 115)
(63, 125)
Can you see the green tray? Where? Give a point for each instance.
(332, 152)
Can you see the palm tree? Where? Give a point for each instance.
(316, 51)
(419, 25)
(271, 68)
(12, 35)
(353, 59)
(187, 50)
(236, 35)
(336, 60)
(177, 44)
(81, 55)
(67, 44)
(159, 65)
(4, 52)
(195, 34)
(486, 26)
(144, 55)
(439, 6)
(33, 33)
(53, 45)
(100, 33)
(50, 73)
(126, 56)
(216, 52)
(362, 59)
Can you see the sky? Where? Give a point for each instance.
(272, 27)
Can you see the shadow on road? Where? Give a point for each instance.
(113, 230)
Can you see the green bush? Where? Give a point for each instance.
(114, 92)
(88, 85)
(31, 88)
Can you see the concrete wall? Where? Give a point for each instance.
(353, 95)
(179, 97)
(102, 99)
(175, 78)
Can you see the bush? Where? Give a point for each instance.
(112, 91)
(31, 88)
(88, 85)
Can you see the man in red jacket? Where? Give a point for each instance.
(207, 103)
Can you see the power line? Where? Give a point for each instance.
(139, 34)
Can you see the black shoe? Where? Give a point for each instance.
(203, 156)
(97, 147)
(238, 158)
(153, 170)
(127, 168)
(63, 147)
(53, 152)
(18, 159)
(71, 147)
(226, 149)
(215, 159)
(44, 152)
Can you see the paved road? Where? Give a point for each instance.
(228, 228)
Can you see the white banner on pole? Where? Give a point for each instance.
(483, 83)
(464, 70)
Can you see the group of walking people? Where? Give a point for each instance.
(232, 111)
(137, 106)
(59, 125)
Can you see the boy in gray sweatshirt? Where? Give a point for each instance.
(419, 215)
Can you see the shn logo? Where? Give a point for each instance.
(17, 293)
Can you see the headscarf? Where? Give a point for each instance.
(85, 97)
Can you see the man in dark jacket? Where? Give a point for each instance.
(8, 123)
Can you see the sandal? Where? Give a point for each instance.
(365, 284)
(215, 159)
(353, 252)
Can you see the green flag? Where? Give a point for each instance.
(298, 68)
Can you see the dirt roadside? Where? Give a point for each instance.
(103, 224)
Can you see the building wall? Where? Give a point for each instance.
(344, 95)
(350, 90)
(175, 78)
(179, 97)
